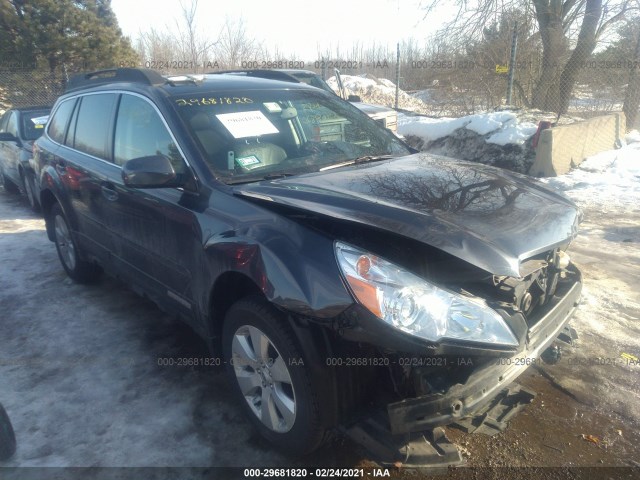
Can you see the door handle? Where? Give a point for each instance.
(109, 192)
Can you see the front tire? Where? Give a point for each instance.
(265, 367)
(7, 436)
(70, 256)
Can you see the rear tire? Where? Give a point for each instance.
(69, 253)
(8, 184)
(264, 364)
(29, 188)
(7, 436)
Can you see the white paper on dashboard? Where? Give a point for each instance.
(247, 124)
(40, 120)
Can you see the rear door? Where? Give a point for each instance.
(85, 169)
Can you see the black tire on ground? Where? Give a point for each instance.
(251, 320)
(69, 254)
(8, 184)
(7, 436)
(29, 188)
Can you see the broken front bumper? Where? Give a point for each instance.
(464, 400)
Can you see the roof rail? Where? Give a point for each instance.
(112, 75)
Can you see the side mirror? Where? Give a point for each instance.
(354, 98)
(8, 137)
(154, 171)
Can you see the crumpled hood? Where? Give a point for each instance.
(489, 217)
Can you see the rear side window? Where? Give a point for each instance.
(94, 123)
(58, 123)
(140, 132)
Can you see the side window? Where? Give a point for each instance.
(58, 123)
(3, 121)
(94, 124)
(140, 132)
(71, 134)
(12, 124)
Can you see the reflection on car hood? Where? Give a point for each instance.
(489, 217)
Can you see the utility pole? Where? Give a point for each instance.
(512, 62)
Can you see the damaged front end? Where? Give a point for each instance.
(462, 372)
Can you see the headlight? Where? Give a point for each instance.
(415, 306)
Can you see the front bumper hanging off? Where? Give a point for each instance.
(468, 399)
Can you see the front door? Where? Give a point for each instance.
(158, 239)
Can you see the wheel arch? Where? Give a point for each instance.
(229, 287)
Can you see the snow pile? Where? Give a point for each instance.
(378, 91)
(495, 138)
(503, 127)
(608, 181)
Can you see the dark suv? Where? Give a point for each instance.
(337, 275)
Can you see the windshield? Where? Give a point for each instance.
(264, 134)
(33, 123)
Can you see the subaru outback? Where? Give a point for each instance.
(336, 274)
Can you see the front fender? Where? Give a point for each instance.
(295, 268)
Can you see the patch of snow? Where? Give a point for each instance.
(504, 126)
(633, 136)
(608, 181)
(513, 134)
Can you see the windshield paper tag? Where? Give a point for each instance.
(40, 120)
(247, 124)
(248, 162)
(273, 107)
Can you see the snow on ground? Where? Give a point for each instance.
(607, 250)
(609, 181)
(80, 375)
(607, 188)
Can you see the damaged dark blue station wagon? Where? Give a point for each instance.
(340, 275)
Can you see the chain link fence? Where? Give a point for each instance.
(451, 87)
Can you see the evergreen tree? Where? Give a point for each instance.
(63, 35)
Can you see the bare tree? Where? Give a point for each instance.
(156, 47)
(186, 49)
(235, 46)
(558, 22)
(194, 47)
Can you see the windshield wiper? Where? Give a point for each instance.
(270, 176)
(276, 176)
(355, 161)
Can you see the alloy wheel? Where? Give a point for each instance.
(264, 379)
(65, 243)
